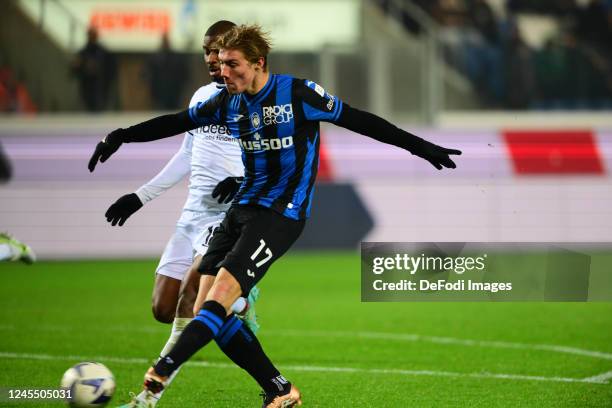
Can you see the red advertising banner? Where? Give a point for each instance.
(122, 21)
(554, 152)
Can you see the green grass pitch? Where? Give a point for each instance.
(338, 351)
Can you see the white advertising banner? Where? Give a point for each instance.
(137, 25)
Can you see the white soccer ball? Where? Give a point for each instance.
(88, 385)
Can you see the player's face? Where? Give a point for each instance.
(238, 73)
(211, 57)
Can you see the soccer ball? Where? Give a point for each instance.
(89, 385)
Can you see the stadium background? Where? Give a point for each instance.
(535, 168)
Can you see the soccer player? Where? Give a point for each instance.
(276, 120)
(12, 249)
(212, 185)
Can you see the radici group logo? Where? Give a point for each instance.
(277, 114)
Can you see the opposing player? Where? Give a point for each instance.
(213, 160)
(12, 249)
(276, 119)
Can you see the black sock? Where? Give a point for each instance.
(239, 343)
(199, 332)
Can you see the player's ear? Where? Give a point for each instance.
(261, 63)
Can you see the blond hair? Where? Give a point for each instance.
(250, 39)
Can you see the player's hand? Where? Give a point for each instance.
(438, 156)
(109, 145)
(227, 189)
(121, 210)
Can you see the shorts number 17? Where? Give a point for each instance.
(268, 252)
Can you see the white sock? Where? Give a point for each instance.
(178, 325)
(239, 305)
(8, 253)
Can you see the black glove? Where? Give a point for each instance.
(122, 209)
(227, 189)
(109, 145)
(436, 155)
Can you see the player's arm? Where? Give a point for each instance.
(368, 124)
(159, 128)
(174, 171)
(320, 105)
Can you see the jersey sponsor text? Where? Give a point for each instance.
(274, 115)
(267, 144)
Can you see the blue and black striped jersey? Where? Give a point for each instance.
(278, 130)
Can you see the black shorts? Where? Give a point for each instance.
(246, 243)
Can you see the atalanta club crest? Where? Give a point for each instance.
(255, 120)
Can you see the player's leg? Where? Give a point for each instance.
(263, 241)
(238, 342)
(173, 265)
(165, 298)
(264, 236)
(176, 262)
(184, 315)
(10, 248)
(221, 243)
(206, 283)
(243, 307)
(191, 286)
(14, 250)
(184, 310)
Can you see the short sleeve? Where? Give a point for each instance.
(318, 104)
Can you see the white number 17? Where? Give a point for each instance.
(262, 245)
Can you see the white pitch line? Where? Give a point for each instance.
(603, 377)
(308, 368)
(447, 340)
(371, 335)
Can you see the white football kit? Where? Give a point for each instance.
(211, 155)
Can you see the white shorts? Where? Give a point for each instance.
(189, 238)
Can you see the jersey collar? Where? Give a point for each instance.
(258, 97)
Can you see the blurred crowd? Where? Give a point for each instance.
(14, 95)
(572, 69)
(95, 69)
(486, 41)
(165, 72)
